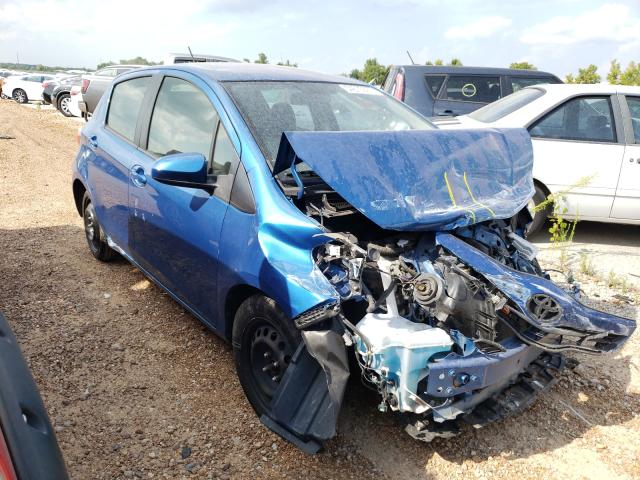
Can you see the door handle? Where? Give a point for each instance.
(138, 178)
(93, 141)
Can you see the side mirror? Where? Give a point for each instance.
(183, 170)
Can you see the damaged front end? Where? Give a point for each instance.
(443, 303)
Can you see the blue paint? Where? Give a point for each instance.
(420, 179)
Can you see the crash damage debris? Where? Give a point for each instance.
(438, 295)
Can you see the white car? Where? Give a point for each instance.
(75, 97)
(578, 132)
(25, 88)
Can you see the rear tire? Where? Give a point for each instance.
(63, 104)
(96, 239)
(540, 216)
(264, 340)
(20, 96)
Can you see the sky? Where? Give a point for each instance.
(329, 36)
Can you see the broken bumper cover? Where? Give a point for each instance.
(545, 306)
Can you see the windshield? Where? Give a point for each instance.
(270, 108)
(509, 104)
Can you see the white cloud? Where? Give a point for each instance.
(483, 27)
(612, 22)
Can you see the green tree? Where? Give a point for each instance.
(585, 75)
(287, 63)
(246, 60)
(455, 62)
(372, 71)
(523, 66)
(631, 75)
(262, 58)
(104, 64)
(613, 77)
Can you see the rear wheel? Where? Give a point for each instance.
(20, 96)
(93, 232)
(63, 104)
(539, 215)
(264, 340)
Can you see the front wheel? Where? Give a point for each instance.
(264, 340)
(93, 232)
(20, 96)
(539, 215)
(63, 104)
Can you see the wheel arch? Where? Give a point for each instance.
(78, 192)
(544, 188)
(234, 298)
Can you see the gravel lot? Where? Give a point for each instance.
(136, 387)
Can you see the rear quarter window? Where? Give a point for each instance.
(472, 88)
(124, 106)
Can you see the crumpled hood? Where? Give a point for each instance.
(420, 179)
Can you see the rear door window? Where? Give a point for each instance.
(183, 120)
(582, 118)
(472, 88)
(124, 106)
(434, 83)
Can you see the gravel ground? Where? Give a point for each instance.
(136, 387)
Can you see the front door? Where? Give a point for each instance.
(627, 202)
(578, 153)
(175, 231)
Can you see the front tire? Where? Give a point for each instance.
(63, 104)
(20, 96)
(93, 232)
(540, 216)
(264, 340)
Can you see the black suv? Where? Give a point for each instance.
(447, 91)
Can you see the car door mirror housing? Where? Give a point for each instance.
(182, 169)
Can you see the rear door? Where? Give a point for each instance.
(465, 93)
(175, 231)
(627, 202)
(578, 149)
(113, 151)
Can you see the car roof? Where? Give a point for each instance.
(221, 72)
(445, 69)
(573, 88)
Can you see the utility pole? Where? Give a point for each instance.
(17, 58)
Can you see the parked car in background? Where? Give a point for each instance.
(449, 91)
(578, 132)
(73, 104)
(95, 84)
(306, 217)
(25, 88)
(28, 446)
(174, 58)
(61, 94)
(49, 85)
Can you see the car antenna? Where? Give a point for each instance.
(191, 53)
(411, 58)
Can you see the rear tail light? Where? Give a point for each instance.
(85, 85)
(398, 87)
(6, 467)
(45, 84)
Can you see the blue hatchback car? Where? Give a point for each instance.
(312, 219)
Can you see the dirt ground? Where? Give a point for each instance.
(133, 383)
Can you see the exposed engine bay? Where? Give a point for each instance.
(456, 321)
